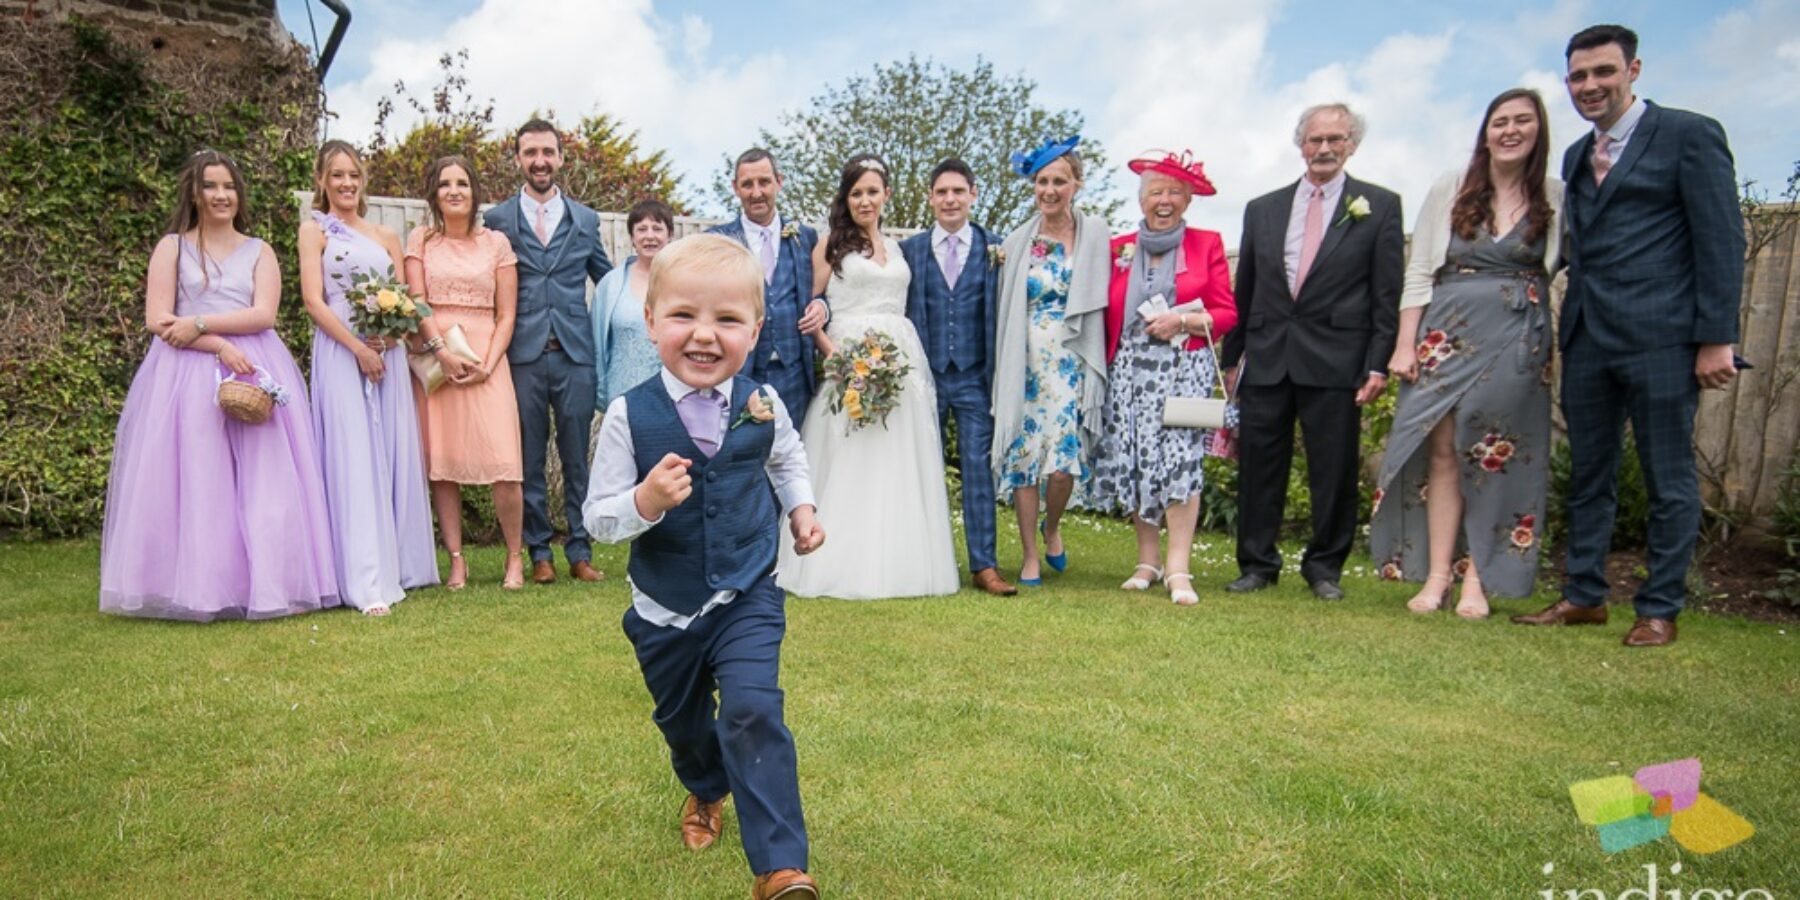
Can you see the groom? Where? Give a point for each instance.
(950, 301)
(783, 358)
(557, 241)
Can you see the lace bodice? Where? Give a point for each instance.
(868, 289)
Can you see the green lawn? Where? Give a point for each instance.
(1074, 741)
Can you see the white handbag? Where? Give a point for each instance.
(1199, 412)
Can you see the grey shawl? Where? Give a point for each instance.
(1084, 327)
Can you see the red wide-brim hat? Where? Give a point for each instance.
(1183, 168)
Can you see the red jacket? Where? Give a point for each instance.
(1207, 278)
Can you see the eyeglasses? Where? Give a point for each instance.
(1321, 140)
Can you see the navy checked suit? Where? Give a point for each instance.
(956, 325)
(559, 383)
(783, 358)
(1656, 268)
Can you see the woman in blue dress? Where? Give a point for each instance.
(623, 353)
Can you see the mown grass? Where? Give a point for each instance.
(1076, 741)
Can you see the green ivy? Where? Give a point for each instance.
(94, 136)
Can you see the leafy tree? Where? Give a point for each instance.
(914, 113)
(603, 165)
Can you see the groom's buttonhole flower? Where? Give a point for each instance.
(996, 255)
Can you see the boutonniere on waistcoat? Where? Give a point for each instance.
(1355, 211)
(790, 230)
(1122, 256)
(996, 256)
(756, 409)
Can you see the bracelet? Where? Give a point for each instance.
(434, 345)
(200, 324)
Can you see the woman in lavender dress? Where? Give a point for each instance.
(363, 412)
(206, 517)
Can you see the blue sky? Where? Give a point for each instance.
(1222, 77)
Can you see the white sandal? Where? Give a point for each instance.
(1134, 583)
(1184, 596)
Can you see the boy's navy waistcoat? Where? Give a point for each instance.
(724, 536)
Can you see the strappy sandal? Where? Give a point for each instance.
(1422, 602)
(1134, 583)
(1185, 596)
(1472, 607)
(514, 584)
(376, 611)
(455, 583)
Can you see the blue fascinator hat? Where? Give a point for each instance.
(1031, 162)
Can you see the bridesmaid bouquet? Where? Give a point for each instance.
(868, 376)
(381, 307)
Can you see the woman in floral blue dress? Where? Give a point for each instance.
(1050, 352)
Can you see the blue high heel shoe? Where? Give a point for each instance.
(1030, 582)
(1060, 561)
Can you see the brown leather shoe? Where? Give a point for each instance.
(1562, 612)
(989, 580)
(583, 571)
(700, 822)
(791, 884)
(1648, 632)
(543, 572)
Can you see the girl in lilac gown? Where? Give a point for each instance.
(206, 517)
(363, 412)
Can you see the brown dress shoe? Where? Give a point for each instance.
(791, 884)
(543, 571)
(1648, 632)
(1562, 612)
(584, 571)
(700, 822)
(989, 580)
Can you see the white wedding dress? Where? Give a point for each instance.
(880, 490)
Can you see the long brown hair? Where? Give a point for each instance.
(846, 236)
(434, 177)
(1474, 208)
(327, 152)
(189, 196)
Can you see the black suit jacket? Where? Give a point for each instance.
(1656, 253)
(1342, 325)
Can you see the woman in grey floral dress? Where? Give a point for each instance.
(1461, 490)
(1170, 286)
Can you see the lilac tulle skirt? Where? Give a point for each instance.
(208, 518)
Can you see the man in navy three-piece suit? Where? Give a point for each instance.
(1655, 248)
(557, 241)
(783, 358)
(951, 303)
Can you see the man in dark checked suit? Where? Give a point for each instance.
(1320, 266)
(951, 302)
(1655, 248)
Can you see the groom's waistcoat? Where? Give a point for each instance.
(724, 536)
(957, 332)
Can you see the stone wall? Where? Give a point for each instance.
(241, 19)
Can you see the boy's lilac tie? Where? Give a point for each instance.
(952, 259)
(703, 415)
(768, 255)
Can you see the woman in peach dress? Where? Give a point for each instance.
(468, 275)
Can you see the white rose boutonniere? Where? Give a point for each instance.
(790, 230)
(1355, 211)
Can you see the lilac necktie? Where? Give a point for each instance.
(768, 255)
(952, 259)
(703, 415)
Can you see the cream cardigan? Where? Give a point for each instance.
(1431, 237)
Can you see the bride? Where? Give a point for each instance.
(880, 488)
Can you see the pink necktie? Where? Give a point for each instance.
(768, 255)
(543, 232)
(1602, 158)
(1311, 237)
(952, 259)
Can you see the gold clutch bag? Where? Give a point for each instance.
(429, 371)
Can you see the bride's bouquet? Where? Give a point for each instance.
(868, 376)
(381, 307)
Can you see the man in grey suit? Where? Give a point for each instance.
(1655, 248)
(557, 241)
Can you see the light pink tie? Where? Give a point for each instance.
(1311, 237)
(1603, 162)
(543, 231)
(768, 255)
